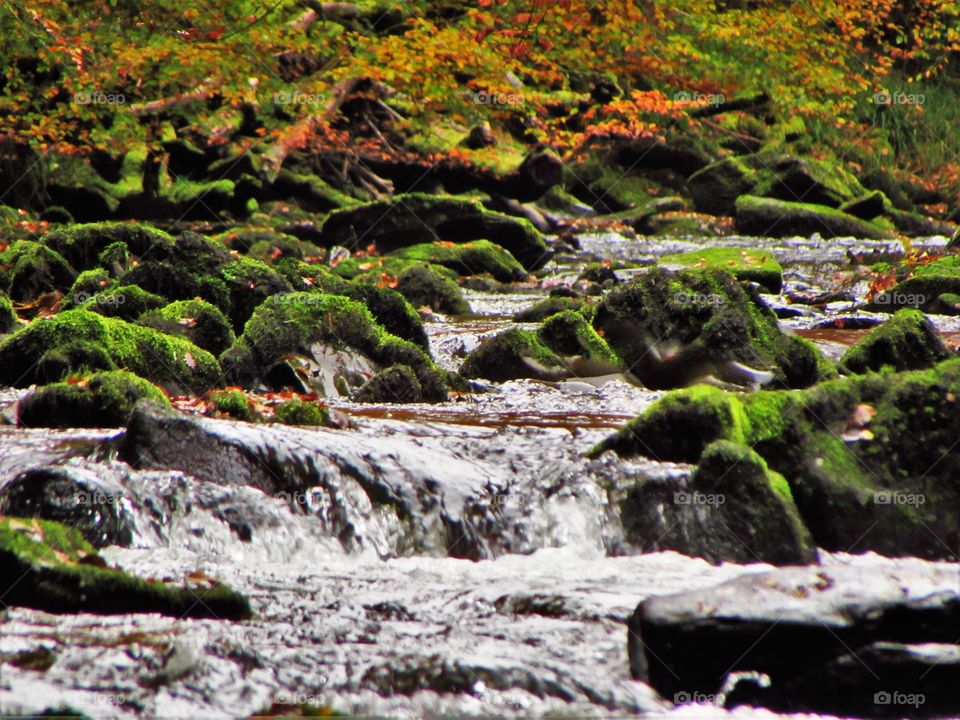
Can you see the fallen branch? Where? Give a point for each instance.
(204, 91)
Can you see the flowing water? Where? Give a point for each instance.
(380, 613)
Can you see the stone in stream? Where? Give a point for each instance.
(423, 286)
(746, 264)
(48, 566)
(417, 218)
(783, 218)
(907, 341)
(29, 269)
(871, 460)
(842, 640)
(932, 287)
(672, 329)
(358, 487)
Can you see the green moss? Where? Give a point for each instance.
(513, 354)
(115, 258)
(300, 412)
(568, 333)
(82, 244)
(213, 192)
(8, 318)
(249, 282)
(30, 269)
(391, 310)
(470, 258)
(170, 362)
(759, 266)
(292, 322)
(397, 384)
(542, 309)
(907, 341)
(87, 284)
(104, 399)
(233, 403)
(196, 320)
(73, 358)
(127, 302)
(311, 276)
(49, 566)
(782, 218)
(423, 286)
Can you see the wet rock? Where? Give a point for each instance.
(867, 207)
(417, 218)
(390, 309)
(733, 509)
(842, 625)
(542, 309)
(48, 566)
(930, 287)
(310, 322)
(196, 320)
(782, 218)
(746, 264)
(907, 341)
(105, 399)
(397, 384)
(470, 258)
(99, 508)
(869, 459)
(171, 362)
(28, 269)
(358, 487)
(423, 286)
(583, 351)
(513, 354)
(301, 412)
(675, 329)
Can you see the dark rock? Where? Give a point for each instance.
(856, 636)
(781, 218)
(907, 341)
(734, 509)
(196, 320)
(423, 286)
(866, 207)
(397, 384)
(391, 310)
(513, 354)
(98, 508)
(30, 269)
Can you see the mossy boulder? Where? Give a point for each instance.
(752, 265)
(81, 245)
(513, 354)
(302, 412)
(196, 320)
(782, 218)
(468, 258)
(171, 362)
(907, 341)
(397, 384)
(48, 566)
(127, 302)
(870, 460)
(674, 328)
(542, 309)
(311, 276)
(930, 287)
(28, 269)
(104, 399)
(391, 310)
(423, 286)
(715, 188)
(294, 322)
(8, 318)
(732, 509)
(570, 336)
(86, 285)
(234, 403)
(418, 219)
(70, 358)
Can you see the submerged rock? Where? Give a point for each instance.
(48, 566)
(862, 641)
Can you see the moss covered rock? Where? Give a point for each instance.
(782, 218)
(105, 399)
(87, 284)
(870, 460)
(28, 269)
(514, 354)
(542, 309)
(468, 258)
(127, 302)
(80, 356)
(391, 310)
(672, 329)
(82, 244)
(397, 384)
(48, 566)
(8, 318)
(197, 320)
(301, 412)
(423, 286)
(907, 341)
(732, 509)
(294, 322)
(418, 218)
(234, 403)
(759, 266)
(171, 362)
(570, 336)
(930, 287)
